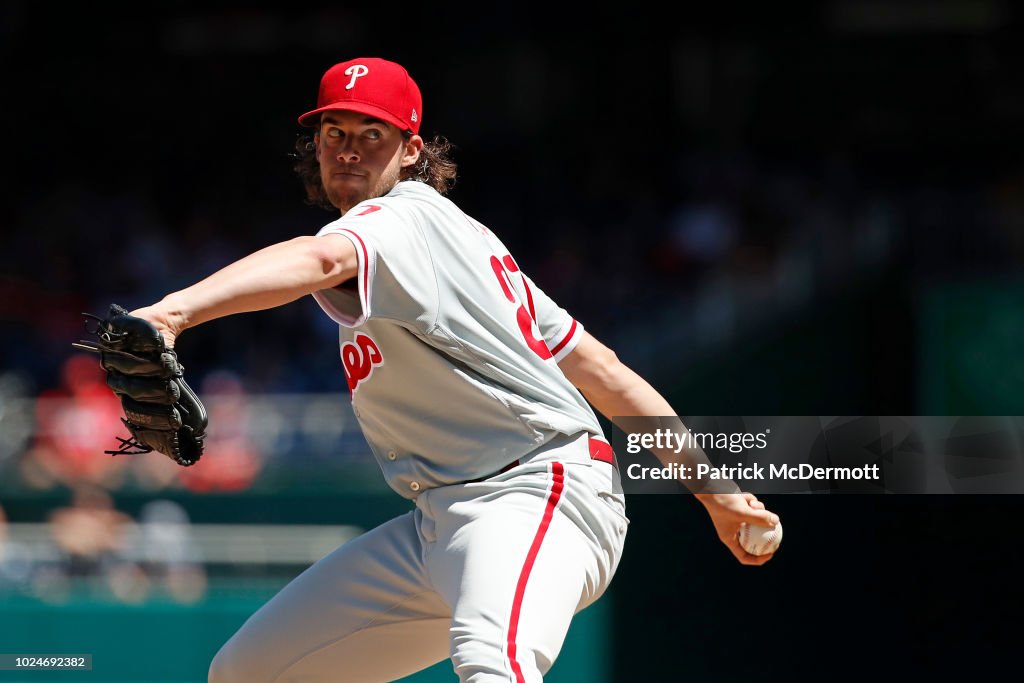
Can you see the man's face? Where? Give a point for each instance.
(361, 157)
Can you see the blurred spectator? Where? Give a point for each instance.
(91, 536)
(76, 423)
(16, 419)
(169, 554)
(232, 462)
(16, 562)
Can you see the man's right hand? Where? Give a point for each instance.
(730, 510)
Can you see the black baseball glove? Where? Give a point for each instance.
(161, 411)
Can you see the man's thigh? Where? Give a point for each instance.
(363, 613)
(516, 566)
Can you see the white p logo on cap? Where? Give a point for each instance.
(355, 71)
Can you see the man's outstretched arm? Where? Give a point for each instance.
(616, 391)
(273, 276)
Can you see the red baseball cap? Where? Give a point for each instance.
(372, 86)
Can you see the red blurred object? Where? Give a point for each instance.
(76, 423)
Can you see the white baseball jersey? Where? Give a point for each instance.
(450, 351)
(451, 355)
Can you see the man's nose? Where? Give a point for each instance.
(347, 152)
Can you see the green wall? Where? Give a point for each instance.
(163, 641)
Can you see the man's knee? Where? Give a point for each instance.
(220, 668)
(232, 665)
(482, 660)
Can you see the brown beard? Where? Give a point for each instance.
(345, 198)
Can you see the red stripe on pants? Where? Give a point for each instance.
(517, 604)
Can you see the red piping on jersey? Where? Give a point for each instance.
(366, 265)
(568, 336)
(558, 484)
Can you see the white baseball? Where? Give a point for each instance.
(760, 540)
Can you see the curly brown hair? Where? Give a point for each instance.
(434, 167)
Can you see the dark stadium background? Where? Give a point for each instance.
(787, 209)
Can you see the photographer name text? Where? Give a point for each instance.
(752, 472)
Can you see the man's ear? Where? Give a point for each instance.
(411, 152)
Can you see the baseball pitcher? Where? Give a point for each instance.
(474, 391)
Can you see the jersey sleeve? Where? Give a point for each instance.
(394, 279)
(560, 330)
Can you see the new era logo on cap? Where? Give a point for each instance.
(371, 86)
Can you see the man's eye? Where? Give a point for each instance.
(333, 133)
(373, 134)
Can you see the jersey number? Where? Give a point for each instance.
(524, 318)
(359, 357)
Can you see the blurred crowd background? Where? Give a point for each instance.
(800, 209)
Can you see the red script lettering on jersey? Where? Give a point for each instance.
(359, 357)
(524, 318)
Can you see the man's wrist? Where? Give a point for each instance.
(173, 313)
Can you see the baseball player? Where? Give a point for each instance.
(474, 391)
